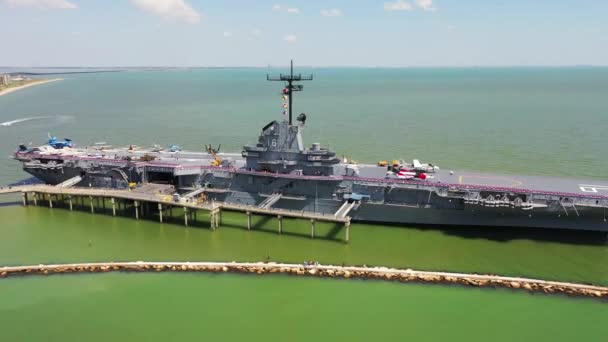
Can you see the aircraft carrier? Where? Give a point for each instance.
(279, 171)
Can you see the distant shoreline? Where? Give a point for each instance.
(34, 83)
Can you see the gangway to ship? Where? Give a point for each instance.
(70, 182)
(270, 201)
(194, 193)
(345, 209)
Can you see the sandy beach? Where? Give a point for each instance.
(38, 82)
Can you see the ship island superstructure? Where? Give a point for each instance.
(279, 171)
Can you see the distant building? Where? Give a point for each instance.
(5, 79)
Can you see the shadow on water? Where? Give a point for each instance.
(266, 224)
(506, 234)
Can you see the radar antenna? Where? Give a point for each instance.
(290, 88)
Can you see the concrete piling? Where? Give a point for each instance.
(113, 206)
(248, 220)
(347, 226)
(35, 198)
(186, 216)
(91, 201)
(280, 218)
(70, 202)
(312, 228)
(160, 212)
(50, 201)
(213, 218)
(136, 205)
(24, 197)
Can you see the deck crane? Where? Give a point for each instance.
(217, 161)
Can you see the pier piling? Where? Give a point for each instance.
(136, 205)
(70, 202)
(50, 201)
(186, 216)
(347, 226)
(280, 218)
(312, 228)
(113, 206)
(213, 217)
(160, 212)
(248, 220)
(35, 198)
(24, 197)
(91, 201)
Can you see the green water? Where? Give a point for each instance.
(171, 307)
(41, 235)
(528, 120)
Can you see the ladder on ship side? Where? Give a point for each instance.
(568, 204)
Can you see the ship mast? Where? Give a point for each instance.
(290, 87)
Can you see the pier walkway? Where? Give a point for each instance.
(140, 199)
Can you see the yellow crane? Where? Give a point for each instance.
(217, 161)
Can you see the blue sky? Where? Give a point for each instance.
(332, 32)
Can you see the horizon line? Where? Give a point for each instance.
(308, 66)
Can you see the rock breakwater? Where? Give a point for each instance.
(326, 271)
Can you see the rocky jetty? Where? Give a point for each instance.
(326, 271)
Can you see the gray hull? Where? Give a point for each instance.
(397, 206)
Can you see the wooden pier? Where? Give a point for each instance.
(143, 202)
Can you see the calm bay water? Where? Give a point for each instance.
(534, 121)
(170, 307)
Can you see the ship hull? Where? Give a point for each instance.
(403, 203)
(593, 219)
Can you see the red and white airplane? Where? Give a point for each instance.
(404, 173)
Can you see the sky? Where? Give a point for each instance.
(391, 33)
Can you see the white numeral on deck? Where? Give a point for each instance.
(593, 188)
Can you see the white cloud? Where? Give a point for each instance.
(426, 5)
(279, 7)
(398, 5)
(334, 12)
(227, 34)
(290, 38)
(42, 4)
(171, 10)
